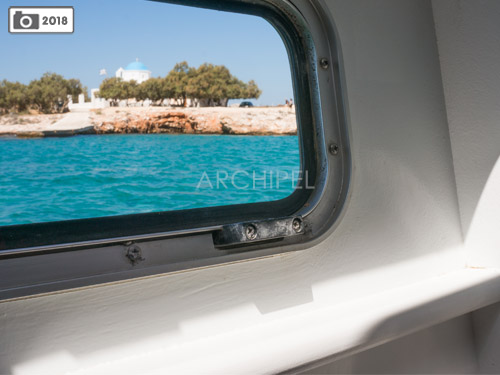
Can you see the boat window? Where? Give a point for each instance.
(145, 107)
(158, 136)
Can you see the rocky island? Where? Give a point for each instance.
(155, 120)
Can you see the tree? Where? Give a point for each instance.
(49, 94)
(76, 88)
(110, 89)
(155, 89)
(212, 83)
(129, 89)
(215, 85)
(116, 89)
(13, 97)
(3, 97)
(251, 91)
(177, 82)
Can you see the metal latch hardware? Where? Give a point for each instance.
(257, 231)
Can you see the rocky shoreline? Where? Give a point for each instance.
(158, 120)
(215, 120)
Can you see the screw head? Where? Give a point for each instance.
(251, 232)
(297, 225)
(333, 149)
(323, 63)
(134, 254)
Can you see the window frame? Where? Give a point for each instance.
(97, 250)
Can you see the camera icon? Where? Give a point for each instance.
(26, 21)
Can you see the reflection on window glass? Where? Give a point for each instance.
(146, 107)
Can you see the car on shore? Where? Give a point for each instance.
(246, 104)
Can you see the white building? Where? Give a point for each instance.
(136, 71)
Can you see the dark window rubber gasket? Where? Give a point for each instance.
(301, 56)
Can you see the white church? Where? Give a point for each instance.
(136, 71)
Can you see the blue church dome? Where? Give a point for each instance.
(136, 65)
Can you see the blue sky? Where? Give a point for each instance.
(110, 33)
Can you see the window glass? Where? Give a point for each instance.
(144, 107)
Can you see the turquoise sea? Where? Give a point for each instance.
(53, 179)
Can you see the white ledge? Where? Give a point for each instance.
(331, 332)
